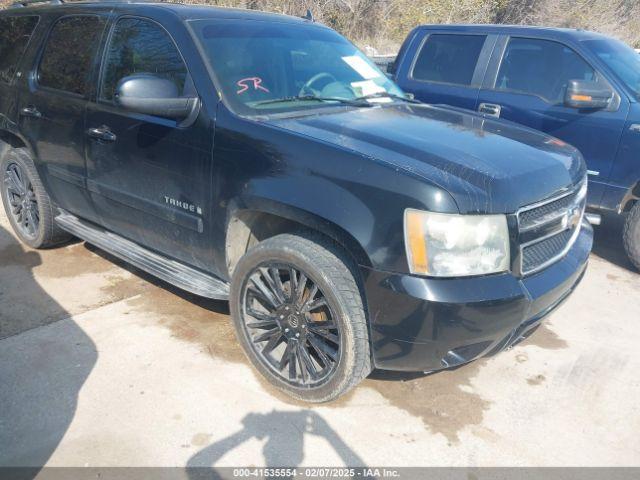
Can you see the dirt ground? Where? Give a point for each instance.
(101, 365)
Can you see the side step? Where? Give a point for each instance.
(171, 271)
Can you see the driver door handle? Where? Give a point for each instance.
(30, 111)
(102, 133)
(490, 109)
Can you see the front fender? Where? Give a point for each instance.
(355, 199)
(306, 218)
(623, 184)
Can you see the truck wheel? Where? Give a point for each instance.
(300, 318)
(28, 207)
(631, 235)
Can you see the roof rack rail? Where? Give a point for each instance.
(26, 3)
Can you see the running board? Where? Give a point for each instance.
(171, 271)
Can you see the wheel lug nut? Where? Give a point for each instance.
(286, 330)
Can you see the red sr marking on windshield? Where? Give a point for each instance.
(247, 83)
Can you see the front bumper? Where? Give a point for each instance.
(427, 324)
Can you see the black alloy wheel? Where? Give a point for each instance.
(22, 200)
(290, 324)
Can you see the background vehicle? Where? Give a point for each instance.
(579, 86)
(262, 159)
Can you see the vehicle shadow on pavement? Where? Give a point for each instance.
(284, 432)
(41, 369)
(607, 242)
(215, 306)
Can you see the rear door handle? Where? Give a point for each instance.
(490, 109)
(30, 111)
(102, 133)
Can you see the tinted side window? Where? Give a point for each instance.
(448, 58)
(15, 33)
(69, 53)
(541, 67)
(141, 46)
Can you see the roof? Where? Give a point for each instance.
(182, 10)
(549, 32)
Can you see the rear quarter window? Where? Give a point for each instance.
(448, 58)
(69, 53)
(15, 33)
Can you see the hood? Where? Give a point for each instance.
(488, 166)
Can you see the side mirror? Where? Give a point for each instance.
(586, 94)
(392, 68)
(151, 95)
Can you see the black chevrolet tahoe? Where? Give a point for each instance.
(264, 160)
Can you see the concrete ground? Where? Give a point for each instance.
(101, 365)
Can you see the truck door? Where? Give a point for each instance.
(446, 67)
(527, 85)
(51, 107)
(15, 35)
(149, 176)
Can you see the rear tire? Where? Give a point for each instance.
(26, 203)
(324, 318)
(631, 235)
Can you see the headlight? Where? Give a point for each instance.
(444, 245)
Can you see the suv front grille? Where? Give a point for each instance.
(547, 230)
(539, 253)
(544, 213)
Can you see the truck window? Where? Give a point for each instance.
(69, 53)
(141, 46)
(448, 58)
(542, 68)
(15, 33)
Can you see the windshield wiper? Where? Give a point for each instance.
(303, 98)
(388, 95)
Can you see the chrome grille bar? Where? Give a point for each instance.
(548, 229)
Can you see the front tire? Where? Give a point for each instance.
(631, 235)
(299, 317)
(28, 206)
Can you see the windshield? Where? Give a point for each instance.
(622, 59)
(265, 68)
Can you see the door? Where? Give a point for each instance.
(447, 68)
(149, 177)
(15, 34)
(528, 86)
(51, 108)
